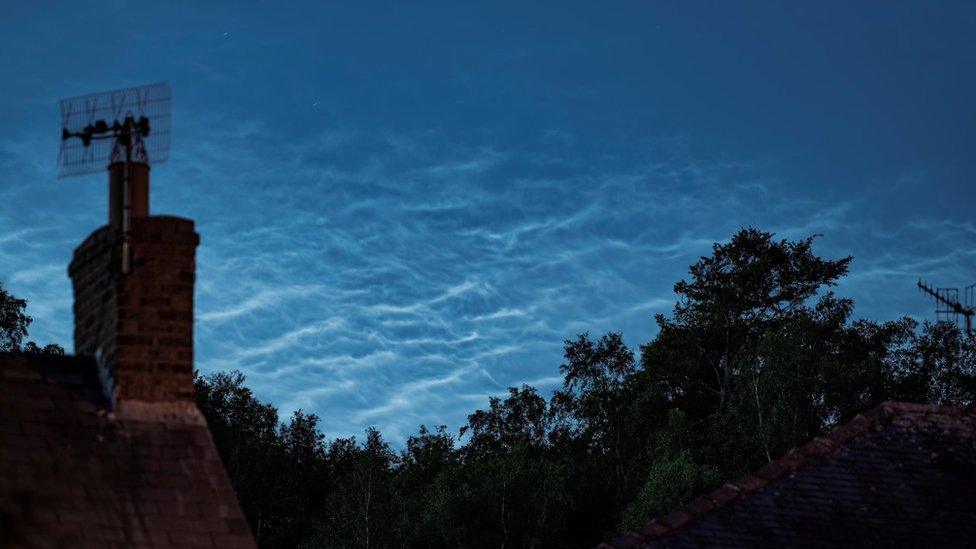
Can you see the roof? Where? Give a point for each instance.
(75, 474)
(901, 474)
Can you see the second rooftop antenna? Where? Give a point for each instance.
(949, 307)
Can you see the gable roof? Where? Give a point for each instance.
(901, 474)
(75, 474)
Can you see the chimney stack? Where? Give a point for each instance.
(138, 325)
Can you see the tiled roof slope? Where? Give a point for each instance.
(73, 474)
(900, 475)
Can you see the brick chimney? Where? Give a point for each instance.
(138, 325)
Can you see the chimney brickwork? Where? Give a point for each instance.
(139, 325)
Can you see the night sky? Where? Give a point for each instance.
(404, 210)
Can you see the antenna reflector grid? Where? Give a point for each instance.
(89, 126)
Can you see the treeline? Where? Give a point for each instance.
(758, 357)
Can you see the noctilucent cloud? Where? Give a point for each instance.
(406, 209)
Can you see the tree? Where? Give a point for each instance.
(509, 489)
(672, 478)
(761, 356)
(593, 376)
(519, 423)
(360, 509)
(938, 365)
(307, 477)
(426, 458)
(602, 413)
(748, 286)
(14, 324)
(13, 321)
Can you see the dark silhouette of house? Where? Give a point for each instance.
(107, 448)
(901, 475)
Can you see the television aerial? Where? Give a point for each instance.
(949, 308)
(123, 131)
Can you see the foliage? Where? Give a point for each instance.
(14, 323)
(758, 357)
(672, 478)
